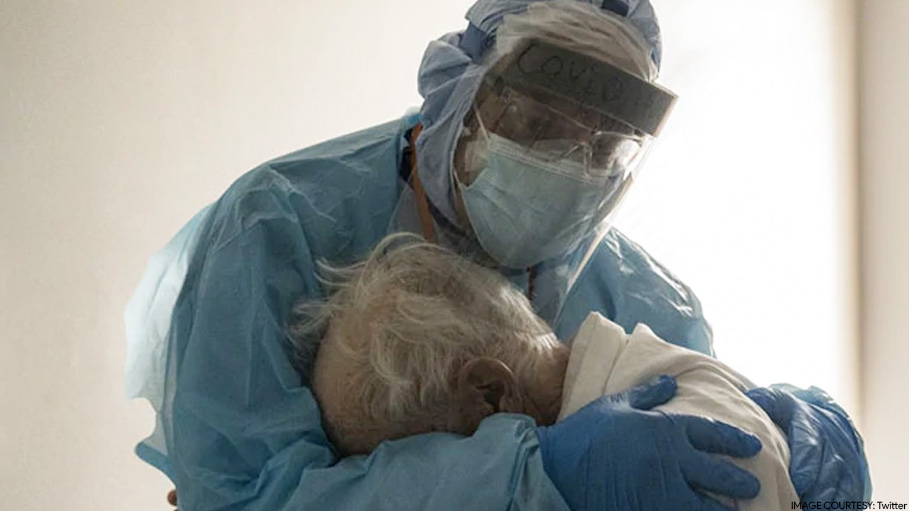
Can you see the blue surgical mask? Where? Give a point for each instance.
(525, 209)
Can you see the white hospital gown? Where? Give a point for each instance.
(605, 360)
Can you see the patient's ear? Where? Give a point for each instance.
(484, 386)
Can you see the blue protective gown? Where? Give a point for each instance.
(237, 426)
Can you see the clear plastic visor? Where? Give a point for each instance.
(591, 145)
(564, 135)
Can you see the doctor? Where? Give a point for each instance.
(534, 122)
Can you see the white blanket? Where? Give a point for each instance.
(605, 360)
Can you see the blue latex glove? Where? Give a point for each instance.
(828, 462)
(613, 454)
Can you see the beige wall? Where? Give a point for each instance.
(749, 194)
(118, 120)
(885, 242)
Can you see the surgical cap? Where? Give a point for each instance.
(486, 16)
(452, 70)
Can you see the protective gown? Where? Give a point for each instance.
(237, 427)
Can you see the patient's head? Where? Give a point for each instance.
(416, 339)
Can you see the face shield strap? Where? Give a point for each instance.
(619, 7)
(474, 42)
(537, 67)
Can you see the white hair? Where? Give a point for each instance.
(404, 321)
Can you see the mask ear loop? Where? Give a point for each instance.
(481, 137)
(481, 126)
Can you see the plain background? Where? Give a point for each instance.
(776, 192)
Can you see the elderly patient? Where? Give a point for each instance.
(417, 339)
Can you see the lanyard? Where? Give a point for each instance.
(426, 222)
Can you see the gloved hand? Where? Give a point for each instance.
(613, 454)
(828, 460)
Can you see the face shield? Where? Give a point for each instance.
(553, 141)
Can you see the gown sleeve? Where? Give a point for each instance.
(623, 283)
(243, 430)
